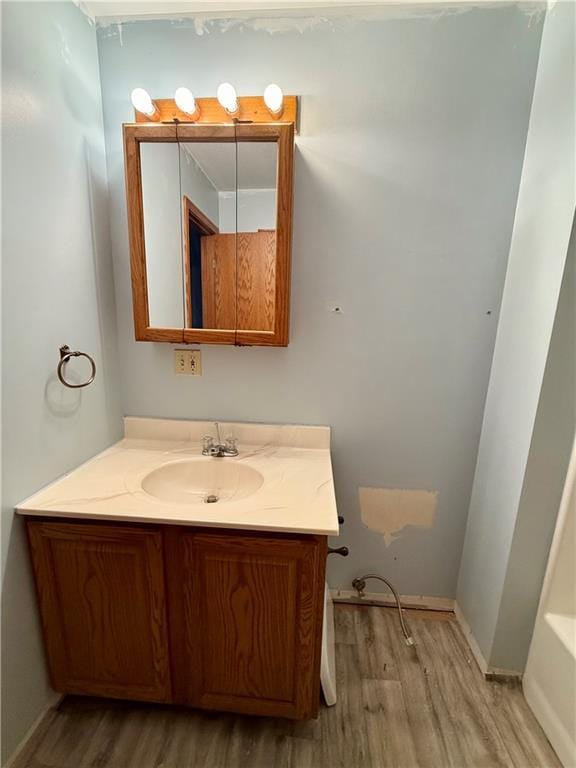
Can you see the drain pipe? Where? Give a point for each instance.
(359, 585)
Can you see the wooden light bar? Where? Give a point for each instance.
(250, 109)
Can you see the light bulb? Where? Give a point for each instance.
(226, 95)
(142, 102)
(185, 101)
(274, 98)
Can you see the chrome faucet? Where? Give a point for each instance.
(219, 449)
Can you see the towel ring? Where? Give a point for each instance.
(65, 355)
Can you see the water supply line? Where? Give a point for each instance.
(359, 585)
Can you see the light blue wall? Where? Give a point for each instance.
(57, 288)
(538, 251)
(544, 480)
(412, 134)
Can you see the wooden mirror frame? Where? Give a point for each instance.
(283, 135)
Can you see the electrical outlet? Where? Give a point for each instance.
(188, 361)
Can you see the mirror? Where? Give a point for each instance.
(256, 235)
(210, 217)
(208, 190)
(160, 202)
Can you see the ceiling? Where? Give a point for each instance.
(255, 160)
(128, 10)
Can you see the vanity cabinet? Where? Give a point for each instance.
(102, 602)
(212, 618)
(245, 621)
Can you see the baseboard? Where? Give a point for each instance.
(489, 672)
(52, 704)
(381, 598)
(471, 640)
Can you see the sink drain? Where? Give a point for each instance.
(211, 499)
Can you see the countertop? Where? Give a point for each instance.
(297, 494)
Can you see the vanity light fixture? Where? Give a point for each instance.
(226, 95)
(142, 102)
(185, 101)
(274, 99)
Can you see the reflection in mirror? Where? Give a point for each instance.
(256, 235)
(208, 192)
(162, 231)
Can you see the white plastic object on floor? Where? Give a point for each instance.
(328, 658)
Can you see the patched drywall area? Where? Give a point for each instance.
(407, 165)
(389, 510)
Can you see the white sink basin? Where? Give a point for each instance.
(202, 481)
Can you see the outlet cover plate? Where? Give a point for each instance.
(188, 362)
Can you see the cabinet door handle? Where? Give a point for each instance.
(342, 551)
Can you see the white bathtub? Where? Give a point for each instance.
(550, 679)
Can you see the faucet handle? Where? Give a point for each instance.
(207, 443)
(231, 444)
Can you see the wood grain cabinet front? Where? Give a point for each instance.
(215, 619)
(102, 603)
(246, 621)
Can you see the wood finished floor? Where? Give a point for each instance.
(398, 707)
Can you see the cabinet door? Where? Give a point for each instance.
(256, 280)
(101, 594)
(218, 253)
(246, 621)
